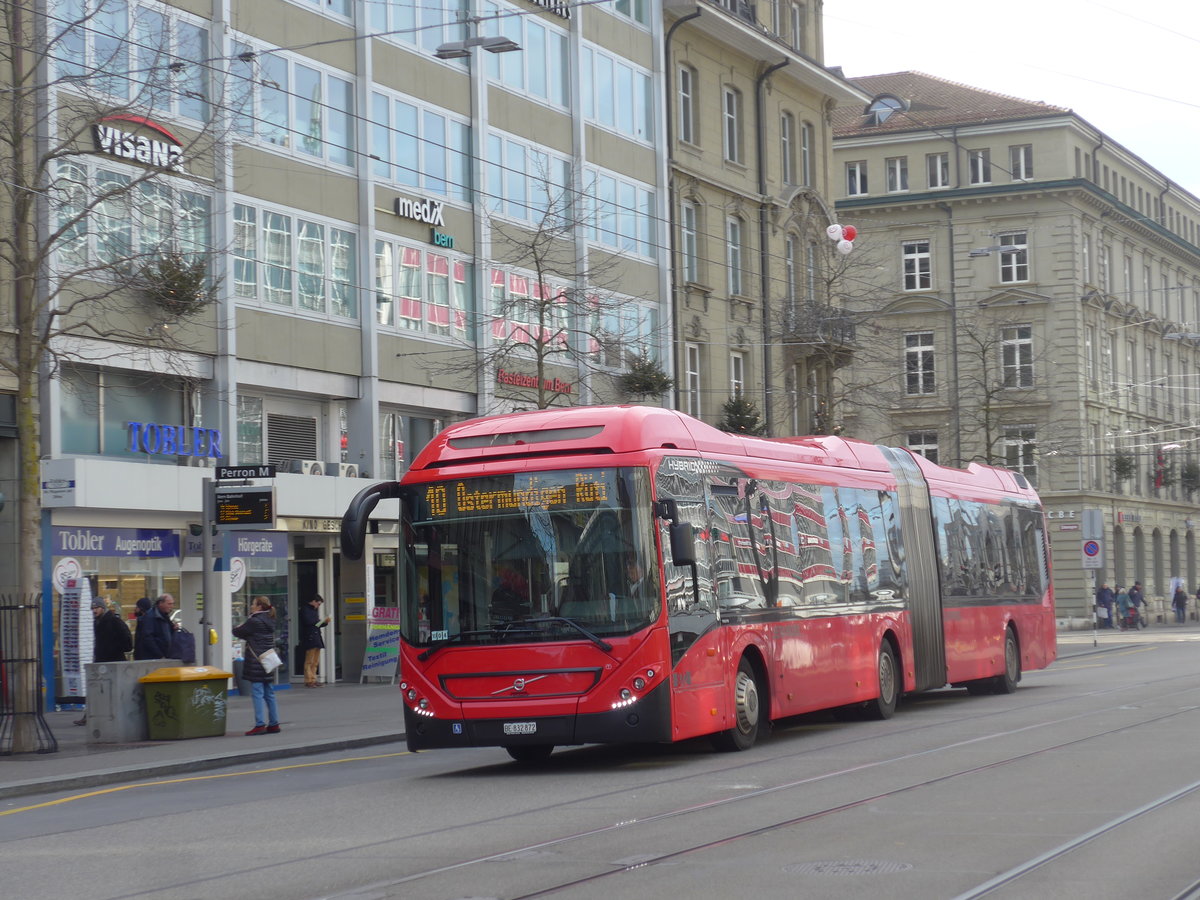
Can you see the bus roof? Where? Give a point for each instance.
(610, 430)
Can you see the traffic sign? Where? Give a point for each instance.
(232, 473)
(1093, 554)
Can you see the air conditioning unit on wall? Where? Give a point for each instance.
(303, 466)
(345, 470)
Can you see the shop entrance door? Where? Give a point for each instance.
(307, 578)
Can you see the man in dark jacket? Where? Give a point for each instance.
(310, 638)
(153, 638)
(112, 638)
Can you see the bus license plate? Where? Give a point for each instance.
(520, 727)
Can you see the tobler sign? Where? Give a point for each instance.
(114, 140)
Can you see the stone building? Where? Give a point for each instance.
(1034, 302)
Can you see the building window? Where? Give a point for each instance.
(918, 363)
(856, 178)
(689, 246)
(733, 255)
(737, 373)
(1089, 353)
(1105, 269)
(787, 148)
(897, 174)
(616, 95)
(98, 406)
(937, 169)
(1014, 257)
(810, 272)
(154, 217)
(1086, 259)
(423, 292)
(1020, 444)
(687, 105)
(1020, 162)
(797, 29)
(621, 213)
(791, 249)
(806, 151)
(541, 71)
(691, 380)
(289, 261)
(918, 271)
(980, 166)
(152, 57)
(287, 104)
(924, 443)
(419, 148)
(731, 111)
(1016, 356)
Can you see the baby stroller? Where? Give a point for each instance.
(1131, 619)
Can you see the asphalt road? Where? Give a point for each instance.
(1084, 783)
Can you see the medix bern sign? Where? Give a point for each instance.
(427, 211)
(114, 141)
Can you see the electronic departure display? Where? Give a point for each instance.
(245, 508)
(518, 493)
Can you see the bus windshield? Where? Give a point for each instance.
(528, 556)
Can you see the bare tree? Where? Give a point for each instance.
(565, 316)
(106, 244)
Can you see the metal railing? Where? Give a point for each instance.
(23, 727)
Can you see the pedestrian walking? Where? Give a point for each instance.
(1104, 605)
(311, 640)
(1138, 598)
(1179, 604)
(1126, 616)
(258, 631)
(154, 630)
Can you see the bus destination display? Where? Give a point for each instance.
(547, 490)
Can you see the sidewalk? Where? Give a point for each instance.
(331, 718)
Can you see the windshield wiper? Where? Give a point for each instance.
(454, 638)
(599, 642)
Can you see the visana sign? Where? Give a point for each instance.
(174, 440)
(427, 211)
(122, 144)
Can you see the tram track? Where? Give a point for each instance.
(733, 837)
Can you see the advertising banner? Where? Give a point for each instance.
(381, 658)
(76, 636)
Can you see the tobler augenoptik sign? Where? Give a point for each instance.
(114, 140)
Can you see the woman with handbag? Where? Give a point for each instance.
(259, 664)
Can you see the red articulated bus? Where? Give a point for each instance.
(629, 574)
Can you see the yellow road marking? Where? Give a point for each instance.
(143, 784)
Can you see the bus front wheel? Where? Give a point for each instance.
(746, 712)
(530, 753)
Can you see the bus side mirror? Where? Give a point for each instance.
(683, 544)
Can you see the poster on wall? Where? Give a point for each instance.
(381, 658)
(75, 638)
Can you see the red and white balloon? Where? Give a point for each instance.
(843, 235)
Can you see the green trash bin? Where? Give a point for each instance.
(185, 702)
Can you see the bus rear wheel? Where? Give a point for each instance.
(1006, 683)
(746, 712)
(884, 706)
(530, 753)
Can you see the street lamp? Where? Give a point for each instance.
(491, 43)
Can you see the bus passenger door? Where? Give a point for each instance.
(699, 694)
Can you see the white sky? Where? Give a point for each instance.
(1130, 69)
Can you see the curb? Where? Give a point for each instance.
(174, 767)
